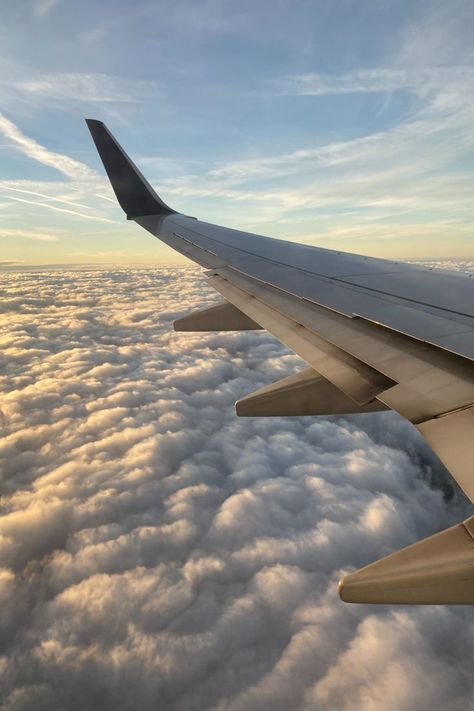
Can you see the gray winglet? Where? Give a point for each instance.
(134, 193)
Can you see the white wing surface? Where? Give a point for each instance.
(376, 334)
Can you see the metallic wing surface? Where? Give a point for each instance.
(376, 335)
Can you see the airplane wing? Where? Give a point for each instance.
(376, 335)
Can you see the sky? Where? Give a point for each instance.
(157, 552)
(342, 124)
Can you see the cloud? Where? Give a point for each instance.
(3, 186)
(403, 149)
(157, 550)
(406, 179)
(28, 234)
(87, 87)
(44, 7)
(422, 80)
(54, 208)
(71, 168)
(82, 185)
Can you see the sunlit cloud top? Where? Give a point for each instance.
(342, 125)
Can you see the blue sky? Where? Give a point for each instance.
(342, 124)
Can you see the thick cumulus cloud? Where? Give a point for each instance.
(159, 553)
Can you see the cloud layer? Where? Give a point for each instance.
(158, 552)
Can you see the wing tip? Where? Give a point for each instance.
(94, 123)
(134, 194)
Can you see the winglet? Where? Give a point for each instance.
(134, 193)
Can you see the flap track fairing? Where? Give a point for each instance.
(223, 317)
(306, 393)
(439, 570)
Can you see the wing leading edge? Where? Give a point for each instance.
(376, 334)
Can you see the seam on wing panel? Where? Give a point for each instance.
(341, 280)
(445, 414)
(469, 526)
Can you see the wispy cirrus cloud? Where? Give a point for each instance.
(83, 180)
(41, 235)
(412, 161)
(421, 80)
(69, 167)
(407, 175)
(23, 85)
(43, 7)
(445, 117)
(24, 191)
(55, 208)
(87, 87)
